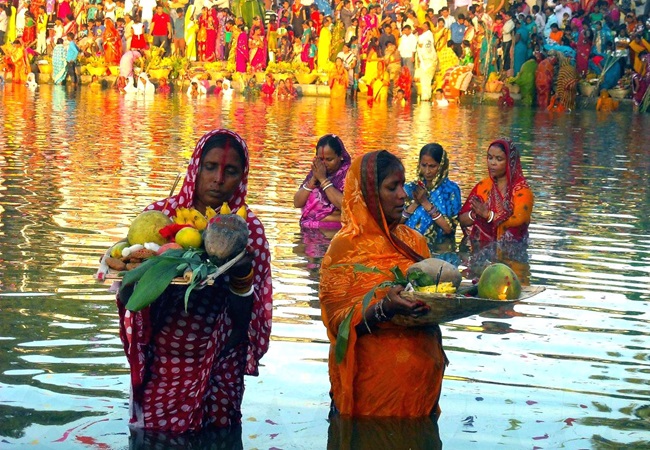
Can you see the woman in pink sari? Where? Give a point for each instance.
(241, 56)
(321, 192)
(257, 49)
(370, 27)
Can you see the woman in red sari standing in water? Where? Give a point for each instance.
(188, 367)
(499, 207)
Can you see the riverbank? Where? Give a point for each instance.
(323, 90)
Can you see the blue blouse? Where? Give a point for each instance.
(446, 198)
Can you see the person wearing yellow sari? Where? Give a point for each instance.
(385, 370)
(381, 84)
(441, 35)
(446, 60)
(324, 46)
(17, 60)
(191, 28)
(11, 25)
(338, 80)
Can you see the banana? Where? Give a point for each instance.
(209, 212)
(225, 209)
(442, 288)
(241, 212)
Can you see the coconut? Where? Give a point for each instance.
(432, 268)
(225, 236)
(146, 228)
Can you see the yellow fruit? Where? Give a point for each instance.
(182, 216)
(241, 212)
(146, 227)
(209, 212)
(116, 250)
(225, 209)
(188, 237)
(197, 220)
(499, 282)
(442, 288)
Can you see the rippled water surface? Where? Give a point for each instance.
(569, 368)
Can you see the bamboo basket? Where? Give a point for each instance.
(449, 307)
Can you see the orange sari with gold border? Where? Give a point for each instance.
(394, 371)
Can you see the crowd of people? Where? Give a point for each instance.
(400, 49)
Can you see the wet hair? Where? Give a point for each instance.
(387, 164)
(433, 150)
(223, 141)
(333, 142)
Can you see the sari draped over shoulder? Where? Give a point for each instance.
(511, 212)
(59, 69)
(112, 44)
(164, 343)
(363, 383)
(445, 196)
(318, 206)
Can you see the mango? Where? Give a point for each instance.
(499, 282)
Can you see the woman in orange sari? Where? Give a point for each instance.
(112, 43)
(378, 352)
(499, 206)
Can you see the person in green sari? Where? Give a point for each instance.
(59, 63)
(247, 9)
(488, 53)
(525, 79)
(338, 39)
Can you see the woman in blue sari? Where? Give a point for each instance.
(521, 46)
(434, 199)
(59, 64)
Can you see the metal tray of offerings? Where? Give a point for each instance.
(449, 307)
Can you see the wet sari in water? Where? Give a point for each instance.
(445, 196)
(318, 206)
(183, 377)
(363, 383)
(59, 67)
(512, 211)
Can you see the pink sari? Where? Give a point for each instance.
(241, 57)
(318, 205)
(183, 378)
(258, 60)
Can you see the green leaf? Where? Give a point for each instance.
(400, 278)
(152, 284)
(342, 337)
(189, 290)
(134, 275)
(365, 303)
(360, 268)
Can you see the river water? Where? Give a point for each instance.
(569, 368)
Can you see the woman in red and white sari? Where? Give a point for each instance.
(188, 367)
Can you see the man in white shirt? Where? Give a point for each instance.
(408, 44)
(560, 10)
(540, 18)
(427, 61)
(506, 41)
(448, 18)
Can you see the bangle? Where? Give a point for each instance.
(406, 215)
(327, 186)
(469, 214)
(304, 186)
(243, 294)
(437, 217)
(379, 311)
(241, 285)
(491, 217)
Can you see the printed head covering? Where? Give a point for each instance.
(259, 329)
(516, 181)
(361, 208)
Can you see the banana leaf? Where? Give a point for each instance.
(153, 283)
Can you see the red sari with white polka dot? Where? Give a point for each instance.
(183, 375)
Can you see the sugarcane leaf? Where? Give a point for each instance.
(342, 337)
(364, 305)
(152, 284)
(400, 278)
(134, 275)
(189, 290)
(359, 268)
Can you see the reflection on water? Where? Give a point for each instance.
(568, 368)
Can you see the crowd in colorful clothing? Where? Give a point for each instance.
(395, 48)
